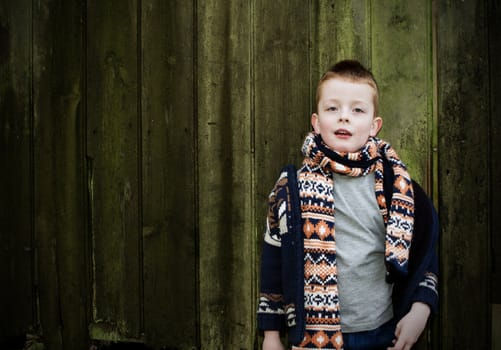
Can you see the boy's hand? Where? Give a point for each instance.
(272, 341)
(411, 326)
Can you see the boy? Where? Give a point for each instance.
(337, 266)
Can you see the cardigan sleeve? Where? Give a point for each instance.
(271, 314)
(421, 285)
(427, 290)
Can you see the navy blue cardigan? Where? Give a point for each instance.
(281, 303)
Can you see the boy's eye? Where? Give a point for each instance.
(358, 110)
(332, 108)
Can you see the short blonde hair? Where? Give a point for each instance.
(351, 70)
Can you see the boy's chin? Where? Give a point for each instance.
(344, 148)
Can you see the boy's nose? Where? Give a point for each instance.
(343, 118)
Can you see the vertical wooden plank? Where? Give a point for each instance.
(495, 135)
(169, 224)
(16, 300)
(339, 30)
(464, 173)
(401, 62)
(114, 156)
(60, 194)
(224, 175)
(281, 92)
(494, 23)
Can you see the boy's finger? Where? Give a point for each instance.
(398, 329)
(399, 345)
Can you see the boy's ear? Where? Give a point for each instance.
(377, 124)
(314, 122)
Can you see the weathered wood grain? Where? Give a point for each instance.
(59, 170)
(225, 206)
(16, 204)
(494, 20)
(169, 174)
(401, 61)
(463, 97)
(281, 102)
(140, 141)
(113, 146)
(339, 30)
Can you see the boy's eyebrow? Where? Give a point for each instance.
(331, 100)
(337, 100)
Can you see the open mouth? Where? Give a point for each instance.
(342, 132)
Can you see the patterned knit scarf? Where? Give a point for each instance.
(323, 328)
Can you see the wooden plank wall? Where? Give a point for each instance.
(140, 140)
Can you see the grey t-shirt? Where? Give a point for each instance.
(364, 295)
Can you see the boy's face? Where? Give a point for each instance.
(346, 116)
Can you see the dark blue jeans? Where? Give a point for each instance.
(377, 339)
